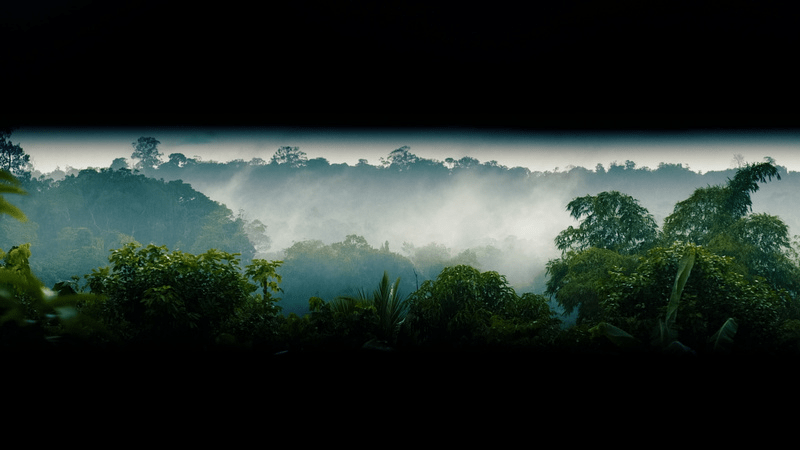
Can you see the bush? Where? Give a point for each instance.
(153, 296)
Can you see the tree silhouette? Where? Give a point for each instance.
(291, 156)
(146, 151)
(12, 158)
(400, 159)
(177, 159)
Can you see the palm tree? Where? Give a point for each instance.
(388, 304)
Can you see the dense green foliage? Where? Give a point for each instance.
(714, 291)
(466, 309)
(350, 322)
(719, 218)
(576, 279)
(153, 296)
(711, 211)
(313, 269)
(31, 315)
(717, 277)
(609, 220)
(74, 223)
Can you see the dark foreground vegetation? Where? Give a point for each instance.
(715, 280)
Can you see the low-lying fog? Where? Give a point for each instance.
(419, 196)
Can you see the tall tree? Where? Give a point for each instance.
(719, 218)
(400, 159)
(609, 220)
(746, 182)
(145, 149)
(12, 158)
(291, 156)
(713, 210)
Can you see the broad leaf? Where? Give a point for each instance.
(11, 186)
(723, 338)
(684, 269)
(663, 335)
(618, 336)
(677, 348)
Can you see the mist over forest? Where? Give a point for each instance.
(463, 204)
(431, 213)
(283, 252)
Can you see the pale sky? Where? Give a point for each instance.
(701, 151)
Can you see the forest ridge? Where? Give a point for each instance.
(589, 240)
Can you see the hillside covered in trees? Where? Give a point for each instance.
(407, 254)
(433, 212)
(73, 223)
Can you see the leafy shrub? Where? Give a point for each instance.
(152, 296)
(714, 292)
(466, 309)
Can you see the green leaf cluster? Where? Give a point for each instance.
(576, 279)
(610, 220)
(74, 223)
(744, 276)
(350, 322)
(343, 324)
(685, 290)
(153, 296)
(718, 217)
(466, 309)
(32, 316)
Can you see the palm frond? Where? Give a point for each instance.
(10, 185)
(390, 306)
(346, 304)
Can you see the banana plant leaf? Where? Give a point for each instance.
(684, 269)
(663, 335)
(723, 338)
(618, 336)
(678, 348)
